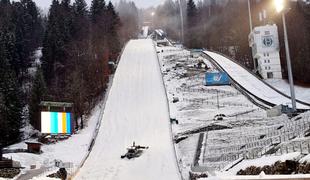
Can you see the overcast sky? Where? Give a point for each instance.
(44, 4)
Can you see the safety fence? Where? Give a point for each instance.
(210, 91)
(223, 104)
(242, 113)
(274, 140)
(175, 54)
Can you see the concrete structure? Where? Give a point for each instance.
(278, 110)
(195, 53)
(264, 42)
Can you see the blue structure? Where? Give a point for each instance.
(216, 78)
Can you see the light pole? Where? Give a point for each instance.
(251, 28)
(250, 16)
(280, 9)
(182, 21)
(153, 14)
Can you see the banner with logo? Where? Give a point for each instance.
(216, 78)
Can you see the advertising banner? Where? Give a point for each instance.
(216, 78)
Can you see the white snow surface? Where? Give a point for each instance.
(302, 93)
(250, 82)
(262, 161)
(70, 150)
(136, 110)
(145, 31)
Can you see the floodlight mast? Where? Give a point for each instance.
(280, 8)
(279, 5)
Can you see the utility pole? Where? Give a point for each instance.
(182, 21)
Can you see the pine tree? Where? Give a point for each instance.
(22, 32)
(97, 9)
(4, 2)
(66, 20)
(10, 105)
(22, 19)
(34, 23)
(58, 36)
(191, 37)
(113, 25)
(51, 43)
(38, 92)
(98, 26)
(191, 13)
(80, 8)
(80, 20)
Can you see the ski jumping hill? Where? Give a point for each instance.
(251, 85)
(136, 110)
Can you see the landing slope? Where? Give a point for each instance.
(136, 110)
(251, 83)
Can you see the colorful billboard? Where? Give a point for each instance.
(56, 122)
(216, 78)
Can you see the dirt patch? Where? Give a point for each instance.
(286, 168)
(195, 176)
(211, 127)
(60, 174)
(9, 172)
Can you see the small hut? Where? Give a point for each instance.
(33, 147)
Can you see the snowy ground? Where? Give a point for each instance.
(197, 104)
(251, 83)
(302, 93)
(71, 150)
(138, 99)
(136, 110)
(197, 107)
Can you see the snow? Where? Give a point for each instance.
(186, 82)
(261, 176)
(36, 61)
(37, 56)
(72, 150)
(145, 30)
(260, 162)
(302, 93)
(136, 110)
(305, 159)
(197, 107)
(250, 82)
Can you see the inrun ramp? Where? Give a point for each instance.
(251, 83)
(136, 110)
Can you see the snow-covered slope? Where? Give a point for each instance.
(136, 110)
(302, 93)
(251, 83)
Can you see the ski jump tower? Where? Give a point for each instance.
(264, 42)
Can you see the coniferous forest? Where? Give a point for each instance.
(77, 42)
